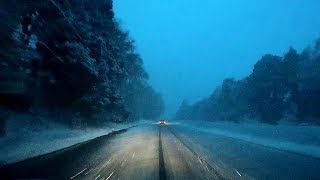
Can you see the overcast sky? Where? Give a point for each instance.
(190, 46)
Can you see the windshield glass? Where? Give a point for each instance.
(159, 89)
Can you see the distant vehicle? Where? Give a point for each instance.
(162, 122)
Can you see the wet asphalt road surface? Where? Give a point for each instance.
(152, 151)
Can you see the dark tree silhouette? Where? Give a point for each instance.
(71, 59)
(278, 88)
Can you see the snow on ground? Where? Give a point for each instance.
(301, 139)
(26, 142)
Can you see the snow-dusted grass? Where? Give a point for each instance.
(301, 139)
(33, 140)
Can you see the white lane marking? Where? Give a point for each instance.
(88, 171)
(109, 176)
(124, 156)
(112, 161)
(237, 172)
(95, 168)
(97, 177)
(205, 164)
(109, 160)
(104, 165)
(100, 169)
(133, 155)
(78, 173)
(123, 162)
(200, 161)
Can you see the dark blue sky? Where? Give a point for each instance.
(190, 46)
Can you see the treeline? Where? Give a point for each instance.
(279, 88)
(70, 59)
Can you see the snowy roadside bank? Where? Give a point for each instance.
(29, 143)
(303, 139)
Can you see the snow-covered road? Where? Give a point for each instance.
(179, 150)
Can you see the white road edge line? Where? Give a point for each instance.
(109, 176)
(88, 171)
(123, 162)
(78, 173)
(200, 161)
(97, 177)
(108, 161)
(237, 172)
